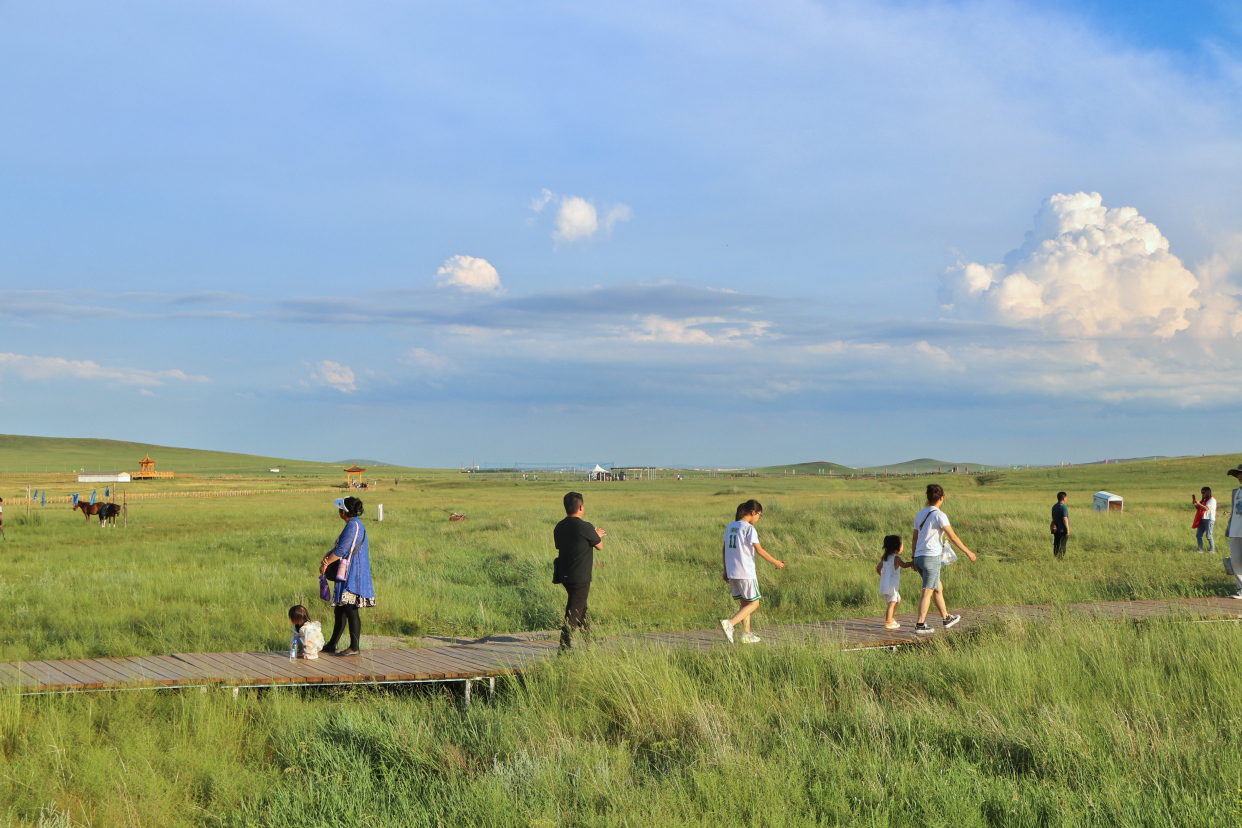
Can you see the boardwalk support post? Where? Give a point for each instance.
(466, 695)
(491, 689)
(235, 689)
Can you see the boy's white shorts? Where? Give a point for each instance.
(893, 597)
(745, 589)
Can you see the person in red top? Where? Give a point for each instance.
(1205, 518)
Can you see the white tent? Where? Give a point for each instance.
(600, 473)
(1107, 502)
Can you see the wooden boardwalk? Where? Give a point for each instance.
(488, 659)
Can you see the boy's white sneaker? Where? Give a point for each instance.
(1237, 595)
(750, 638)
(892, 625)
(728, 629)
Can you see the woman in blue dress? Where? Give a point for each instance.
(353, 589)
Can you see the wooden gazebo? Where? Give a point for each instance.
(147, 470)
(354, 471)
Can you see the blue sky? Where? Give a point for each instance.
(648, 233)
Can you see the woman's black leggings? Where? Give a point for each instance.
(342, 613)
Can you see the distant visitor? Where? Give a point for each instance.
(1060, 526)
(1205, 518)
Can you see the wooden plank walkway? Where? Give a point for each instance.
(488, 659)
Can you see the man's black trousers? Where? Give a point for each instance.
(1059, 540)
(575, 612)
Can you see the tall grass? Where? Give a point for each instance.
(1061, 723)
(218, 574)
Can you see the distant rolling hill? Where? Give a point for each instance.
(922, 465)
(818, 467)
(21, 454)
(926, 464)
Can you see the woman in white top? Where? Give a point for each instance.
(1234, 532)
(930, 527)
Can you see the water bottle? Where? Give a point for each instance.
(293, 648)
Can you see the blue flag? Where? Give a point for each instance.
(35, 496)
(93, 496)
(75, 498)
(44, 503)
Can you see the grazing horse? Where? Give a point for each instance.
(109, 514)
(107, 511)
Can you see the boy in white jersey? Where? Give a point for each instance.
(741, 542)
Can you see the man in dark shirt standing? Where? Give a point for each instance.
(576, 542)
(1060, 527)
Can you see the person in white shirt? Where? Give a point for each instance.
(931, 526)
(889, 569)
(741, 543)
(1207, 518)
(1233, 531)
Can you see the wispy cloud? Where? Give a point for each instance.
(48, 368)
(705, 330)
(334, 375)
(427, 360)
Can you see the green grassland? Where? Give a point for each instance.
(1062, 724)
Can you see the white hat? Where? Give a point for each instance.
(339, 503)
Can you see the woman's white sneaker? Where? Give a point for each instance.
(728, 629)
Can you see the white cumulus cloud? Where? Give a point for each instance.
(1085, 270)
(578, 218)
(334, 375)
(470, 273)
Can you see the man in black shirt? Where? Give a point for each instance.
(576, 542)
(1060, 527)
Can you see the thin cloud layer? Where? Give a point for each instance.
(48, 368)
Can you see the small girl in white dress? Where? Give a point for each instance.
(889, 569)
